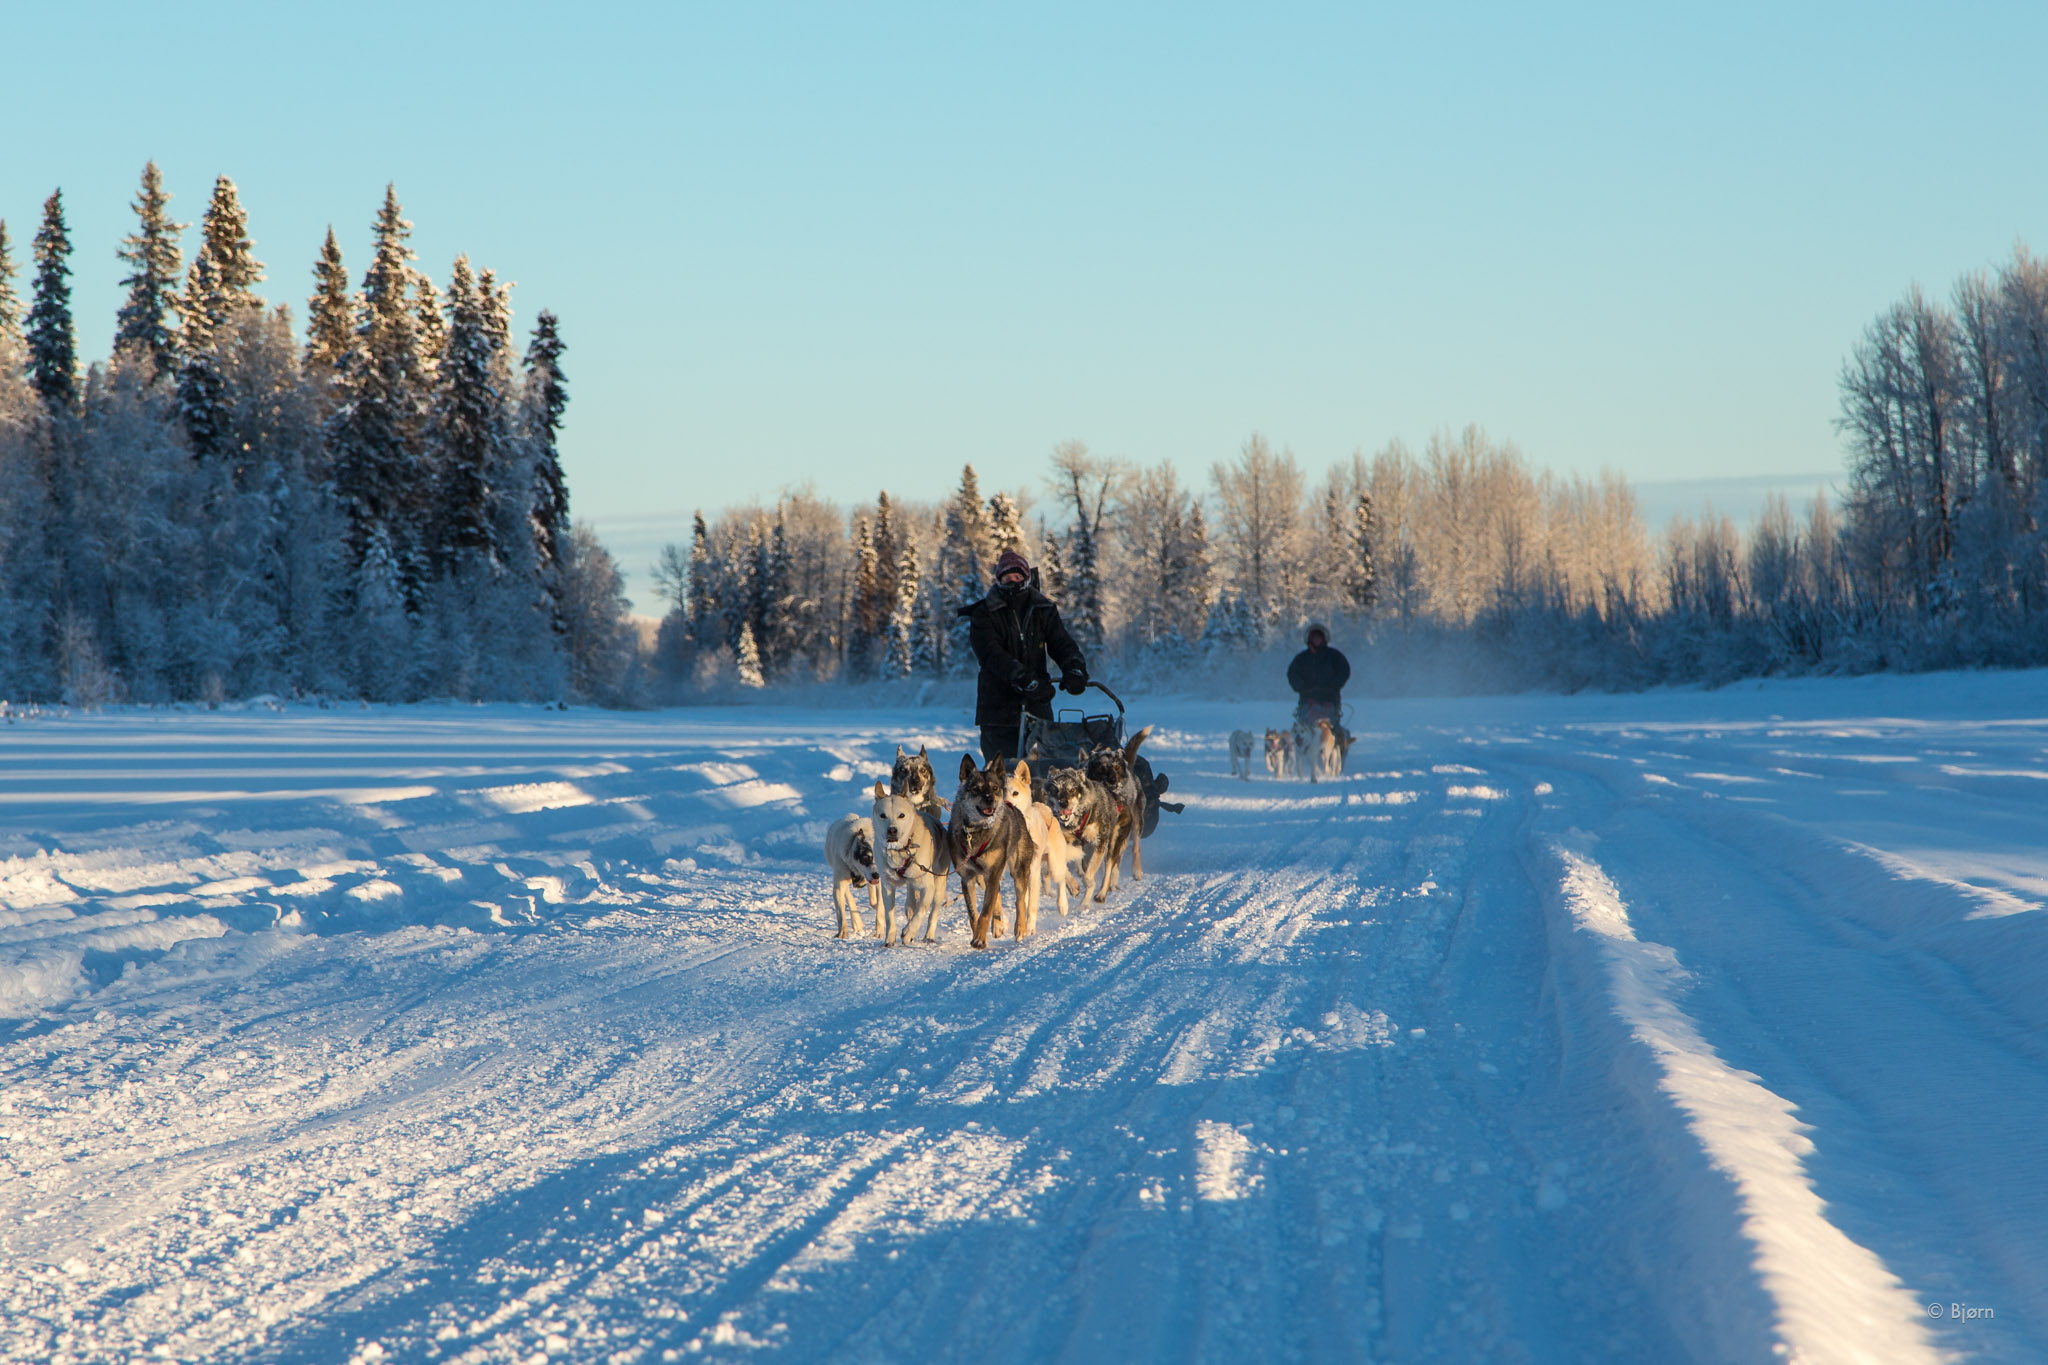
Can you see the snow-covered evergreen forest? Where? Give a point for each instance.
(225, 507)
(1460, 565)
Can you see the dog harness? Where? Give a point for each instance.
(974, 858)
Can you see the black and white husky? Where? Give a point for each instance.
(913, 777)
(850, 853)
(914, 858)
(989, 837)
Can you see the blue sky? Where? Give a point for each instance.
(861, 245)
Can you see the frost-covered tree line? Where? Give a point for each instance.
(1458, 565)
(225, 508)
(1155, 576)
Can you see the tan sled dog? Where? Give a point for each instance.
(1331, 747)
(1059, 855)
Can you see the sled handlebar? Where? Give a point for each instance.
(1107, 693)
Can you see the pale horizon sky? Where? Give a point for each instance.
(861, 246)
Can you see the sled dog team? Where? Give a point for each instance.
(1002, 822)
(1320, 747)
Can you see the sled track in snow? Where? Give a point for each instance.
(1525, 1040)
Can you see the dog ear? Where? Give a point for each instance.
(920, 751)
(899, 751)
(967, 768)
(1023, 770)
(996, 765)
(879, 791)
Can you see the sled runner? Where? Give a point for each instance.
(1072, 732)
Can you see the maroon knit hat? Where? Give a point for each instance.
(1009, 561)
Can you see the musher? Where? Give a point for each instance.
(1012, 632)
(1318, 675)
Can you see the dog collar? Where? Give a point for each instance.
(908, 859)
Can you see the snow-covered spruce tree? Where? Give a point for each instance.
(1194, 575)
(269, 520)
(543, 396)
(1361, 578)
(1006, 527)
(865, 624)
(52, 339)
(1052, 566)
(224, 235)
(10, 301)
(964, 548)
(934, 618)
(430, 329)
(373, 434)
(887, 552)
(1083, 606)
(902, 660)
(154, 267)
(219, 288)
(144, 591)
(28, 552)
(701, 604)
(754, 598)
(467, 436)
(779, 603)
(748, 658)
(206, 319)
(330, 314)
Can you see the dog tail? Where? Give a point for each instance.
(1131, 744)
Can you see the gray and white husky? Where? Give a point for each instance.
(1241, 754)
(1086, 816)
(912, 777)
(914, 858)
(1111, 767)
(850, 853)
(989, 838)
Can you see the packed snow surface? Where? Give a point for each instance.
(1690, 1025)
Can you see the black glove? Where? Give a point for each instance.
(1074, 681)
(1039, 690)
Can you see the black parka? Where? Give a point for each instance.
(1013, 640)
(1319, 674)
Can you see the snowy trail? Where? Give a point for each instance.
(1691, 1025)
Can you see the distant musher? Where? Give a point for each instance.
(1318, 675)
(1012, 632)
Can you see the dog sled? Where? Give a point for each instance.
(1063, 741)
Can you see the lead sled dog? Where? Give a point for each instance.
(990, 838)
